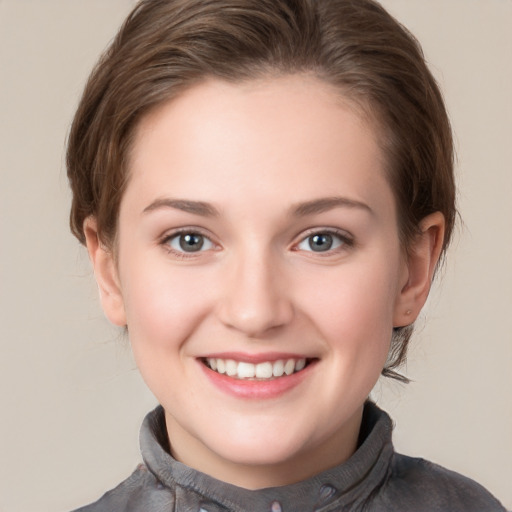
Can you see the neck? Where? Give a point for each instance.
(312, 459)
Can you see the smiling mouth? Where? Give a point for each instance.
(266, 370)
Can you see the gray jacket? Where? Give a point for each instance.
(374, 479)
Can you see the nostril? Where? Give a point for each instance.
(254, 304)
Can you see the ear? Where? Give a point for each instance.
(105, 272)
(419, 268)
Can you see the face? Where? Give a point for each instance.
(260, 274)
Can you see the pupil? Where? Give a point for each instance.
(320, 243)
(191, 242)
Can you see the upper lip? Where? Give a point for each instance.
(255, 358)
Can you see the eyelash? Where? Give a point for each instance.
(167, 239)
(345, 240)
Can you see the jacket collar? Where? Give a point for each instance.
(349, 483)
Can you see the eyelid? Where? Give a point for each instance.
(186, 230)
(347, 239)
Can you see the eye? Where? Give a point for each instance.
(323, 242)
(189, 242)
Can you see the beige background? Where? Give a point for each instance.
(71, 400)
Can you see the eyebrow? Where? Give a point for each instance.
(194, 207)
(300, 210)
(327, 203)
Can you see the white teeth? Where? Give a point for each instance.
(289, 366)
(221, 366)
(231, 367)
(246, 371)
(278, 369)
(299, 365)
(265, 370)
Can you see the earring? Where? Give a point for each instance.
(408, 312)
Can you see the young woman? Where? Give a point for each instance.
(265, 189)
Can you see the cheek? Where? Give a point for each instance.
(162, 305)
(353, 306)
(163, 308)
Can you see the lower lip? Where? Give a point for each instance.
(256, 389)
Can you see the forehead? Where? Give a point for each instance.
(291, 136)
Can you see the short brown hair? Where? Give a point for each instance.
(166, 46)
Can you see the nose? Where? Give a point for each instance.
(255, 298)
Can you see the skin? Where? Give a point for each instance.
(248, 167)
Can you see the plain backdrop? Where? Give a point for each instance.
(71, 398)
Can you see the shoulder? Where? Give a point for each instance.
(422, 485)
(140, 491)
